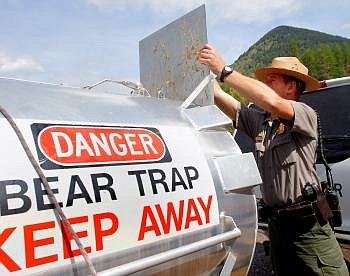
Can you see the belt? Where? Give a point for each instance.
(302, 215)
(298, 211)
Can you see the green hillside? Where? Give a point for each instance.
(327, 56)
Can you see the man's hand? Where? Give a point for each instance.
(210, 57)
(252, 89)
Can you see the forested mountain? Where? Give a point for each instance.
(326, 56)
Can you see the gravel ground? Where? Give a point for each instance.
(261, 265)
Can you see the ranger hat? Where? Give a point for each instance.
(290, 66)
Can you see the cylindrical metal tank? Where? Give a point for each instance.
(149, 187)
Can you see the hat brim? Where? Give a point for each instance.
(310, 82)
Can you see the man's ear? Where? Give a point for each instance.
(292, 89)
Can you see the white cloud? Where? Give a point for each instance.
(255, 11)
(346, 26)
(248, 11)
(18, 64)
(156, 6)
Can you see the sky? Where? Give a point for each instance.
(80, 42)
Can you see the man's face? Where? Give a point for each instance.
(276, 82)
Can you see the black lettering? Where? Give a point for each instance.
(139, 180)
(189, 177)
(338, 188)
(175, 175)
(155, 181)
(5, 197)
(107, 187)
(84, 193)
(40, 192)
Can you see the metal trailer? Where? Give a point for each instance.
(96, 182)
(150, 186)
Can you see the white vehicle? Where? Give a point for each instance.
(333, 104)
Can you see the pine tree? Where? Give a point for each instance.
(346, 51)
(332, 66)
(340, 60)
(308, 59)
(294, 50)
(321, 63)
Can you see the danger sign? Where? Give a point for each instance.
(68, 145)
(120, 188)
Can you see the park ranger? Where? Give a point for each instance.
(286, 138)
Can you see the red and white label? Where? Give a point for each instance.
(132, 194)
(78, 145)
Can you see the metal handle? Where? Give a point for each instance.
(197, 91)
(163, 257)
(136, 87)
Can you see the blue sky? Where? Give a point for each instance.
(79, 42)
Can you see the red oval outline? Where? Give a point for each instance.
(74, 128)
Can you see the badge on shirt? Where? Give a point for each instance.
(281, 128)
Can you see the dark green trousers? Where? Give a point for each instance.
(305, 250)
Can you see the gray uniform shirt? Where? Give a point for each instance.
(285, 154)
